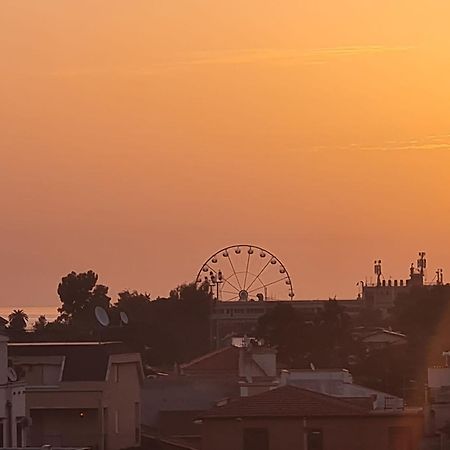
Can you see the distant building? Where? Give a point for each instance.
(382, 294)
(13, 417)
(290, 418)
(171, 403)
(339, 383)
(378, 338)
(81, 394)
(438, 404)
(231, 318)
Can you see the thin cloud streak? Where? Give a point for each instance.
(267, 56)
(428, 143)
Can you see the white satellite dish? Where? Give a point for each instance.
(102, 316)
(12, 375)
(124, 317)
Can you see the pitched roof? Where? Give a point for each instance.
(224, 360)
(287, 401)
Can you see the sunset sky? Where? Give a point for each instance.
(139, 136)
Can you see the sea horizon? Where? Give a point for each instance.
(33, 312)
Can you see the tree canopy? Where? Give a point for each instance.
(18, 320)
(79, 294)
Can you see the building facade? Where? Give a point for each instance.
(81, 394)
(289, 418)
(13, 418)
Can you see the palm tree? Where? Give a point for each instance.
(18, 320)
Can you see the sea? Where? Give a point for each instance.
(33, 312)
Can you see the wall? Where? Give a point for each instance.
(438, 377)
(122, 400)
(116, 399)
(184, 393)
(65, 427)
(288, 434)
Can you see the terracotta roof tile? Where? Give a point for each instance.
(225, 360)
(287, 401)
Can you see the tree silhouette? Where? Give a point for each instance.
(40, 323)
(18, 320)
(136, 305)
(79, 294)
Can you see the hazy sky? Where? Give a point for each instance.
(139, 136)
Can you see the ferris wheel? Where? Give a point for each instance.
(245, 272)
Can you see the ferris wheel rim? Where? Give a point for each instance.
(198, 279)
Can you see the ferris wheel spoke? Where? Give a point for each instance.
(234, 272)
(246, 267)
(211, 268)
(259, 274)
(268, 284)
(232, 285)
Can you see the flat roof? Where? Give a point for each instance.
(65, 344)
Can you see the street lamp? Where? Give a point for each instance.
(216, 279)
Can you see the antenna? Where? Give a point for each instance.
(102, 316)
(422, 263)
(377, 270)
(439, 277)
(124, 318)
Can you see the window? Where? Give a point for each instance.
(314, 440)
(116, 422)
(256, 439)
(137, 422)
(400, 438)
(19, 434)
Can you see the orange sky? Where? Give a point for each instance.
(138, 136)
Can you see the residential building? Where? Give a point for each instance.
(339, 383)
(84, 394)
(13, 417)
(171, 403)
(438, 404)
(290, 418)
(377, 338)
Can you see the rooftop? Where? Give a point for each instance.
(83, 361)
(288, 401)
(64, 344)
(219, 361)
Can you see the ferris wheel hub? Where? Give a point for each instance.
(243, 296)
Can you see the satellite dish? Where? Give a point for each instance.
(102, 316)
(12, 375)
(124, 317)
